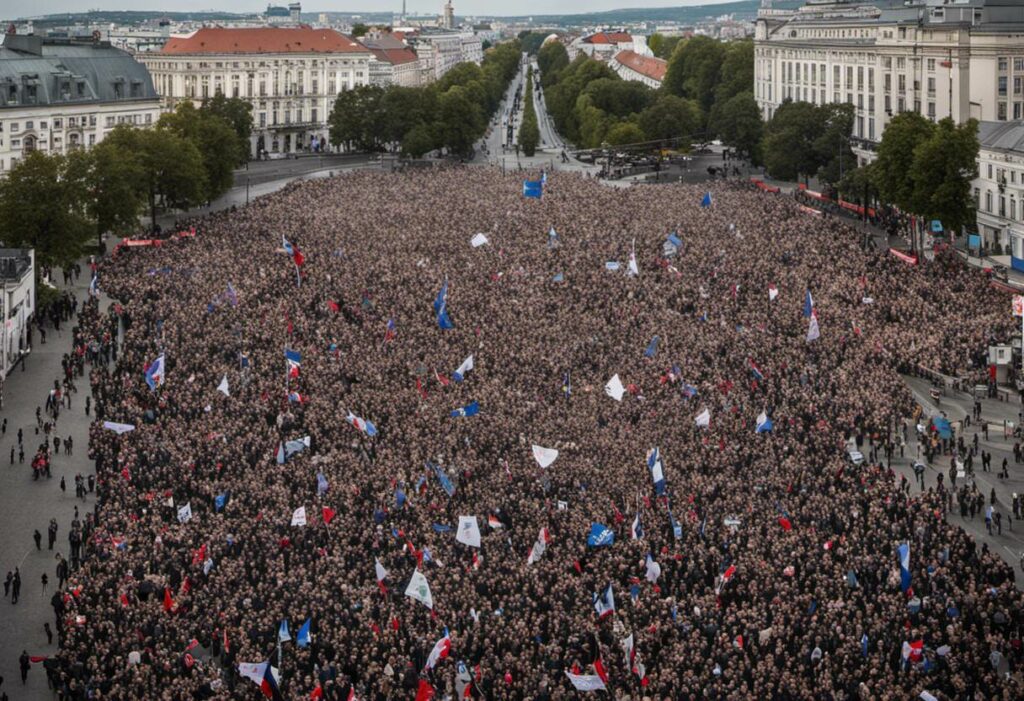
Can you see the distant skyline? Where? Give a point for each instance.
(28, 8)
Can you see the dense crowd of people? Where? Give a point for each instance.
(768, 568)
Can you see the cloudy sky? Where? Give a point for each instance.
(28, 8)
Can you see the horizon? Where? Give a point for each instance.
(24, 9)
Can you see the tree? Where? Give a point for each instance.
(788, 144)
(215, 140)
(617, 97)
(694, 69)
(357, 118)
(666, 47)
(173, 173)
(857, 184)
(236, 112)
(737, 72)
(624, 133)
(656, 42)
(359, 29)
(552, 59)
(900, 140)
(460, 122)
(832, 142)
(944, 165)
(737, 122)
(418, 141)
(670, 117)
(112, 176)
(529, 131)
(42, 206)
(406, 108)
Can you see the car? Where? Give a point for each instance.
(856, 457)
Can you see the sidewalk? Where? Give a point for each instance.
(27, 505)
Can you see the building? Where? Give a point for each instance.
(448, 18)
(18, 303)
(60, 94)
(999, 187)
(601, 46)
(962, 59)
(646, 69)
(439, 52)
(283, 16)
(393, 62)
(290, 75)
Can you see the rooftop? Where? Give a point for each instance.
(1001, 136)
(648, 66)
(609, 38)
(263, 40)
(14, 263)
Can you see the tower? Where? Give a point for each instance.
(449, 15)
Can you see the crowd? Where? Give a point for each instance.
(769, 567)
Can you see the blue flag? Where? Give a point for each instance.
(904, 554)
(567, 385)
(400, 498)
(321, 484)
(303, 638)
(657, 472)
(442, 477)
(864, 645)
(441, 307)
(282, 632)
(559, 277)
(652, 347)
(441, 528)
(706, 202)
(533, 188)
(936, 226)
(468, 410)
(808, 304)
(764, 423)
(600, 535)
(220, 501)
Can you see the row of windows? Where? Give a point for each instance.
(1001, 203)
(188, 65)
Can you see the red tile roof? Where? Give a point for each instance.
(263, 40)
(644, 65)
(609, 38)
(396, 57)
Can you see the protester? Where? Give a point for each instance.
(776, 562)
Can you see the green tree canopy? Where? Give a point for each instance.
(694, 70)
(112, 176)
(624, 133)
(551, 59)
(670, 117)
(215, 140)
(738, 123)
(236, 112)
(357, 118)
(620, 98)
(788, 144)
(944, 165)
(460, 121)
(904, 133)
(832, 141)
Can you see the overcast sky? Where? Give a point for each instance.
(29, 8)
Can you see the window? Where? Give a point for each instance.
(901, 62)
(1003, 63)
(57, 123)
(871, 103)
(42, 126)
(888, 104)
(988, 200)
(1016, 110)
(313, 115)
(1013, 208)
(1018, 64)
(931, 65)
(92, 139)
(849, 76)
(931, 85)
(1001, 114)
(118, 91)
(888, 82)
(989, 171)
(835, 77)
(871, 79)
(14, 127)
(931, 111)
(1017, 81)
(149, 119)
(1002, 206)
(901, 82)
(263, 119)
(110, 121)
(29, 126)
(871, 128)
(1002, 86)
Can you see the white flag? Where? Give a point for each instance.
(466, 366)
(381, 572)
(118, 428)
(703, 419)
(633, 270)
(586, 682)
(539, 547)
(812, 329)
(223, 387)
(185, 513)
(469, 531)
(614, 388)
(419, 590)
(253, 670)
(544, 456)
(299, 516)
(773, 292)
(478, 240)
(653, 570)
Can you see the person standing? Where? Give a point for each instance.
(45, 580)
(49, 633)
(38, 537)
(16, 586)
(51, 533)
(7, 583)
(25, 665)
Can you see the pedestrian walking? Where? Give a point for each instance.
(45, 580)
(25, 664)
(51, 533)
(63, 484)
(38, 537)
(16, 586)
(7, 583)
(49, 633)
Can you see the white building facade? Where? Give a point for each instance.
(648, 70)
(57, 95)
(17, 303)
(999, 187)
(290, 75)
(439, 53)
(963, 59)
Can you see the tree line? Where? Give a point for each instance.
(57, 203)
(529, 131)
(451, 113)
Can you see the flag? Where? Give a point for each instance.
(363, 425)
(652, 347)
(689, 391)
(466, 366)
(293, 250)
(117, 428)
(813, 332)
(232, 295)
(636, 530)
(478, 240)
(321, 484)
(632, 270)
(784, 522)
(94, 285)
(706, 201)
(864, 645)
(283, 635)
(471, 409)
(389, 331)
(381, 573)
(442, 477)
(295, 398)
(327, 514)
(724, 578)
(755, 370)
(168, 601)
(544, 456)
(904, 554)
(533, 188)
(552, 237)
(600, 535)
(672, 244)
(764, 424)
(185, 513)
(289, 448)
(469, 531)
(294, 359)
(629, 650)
(604, 603)
(912, 652)
(567, 385)
(539, 547)
(653, 570)
(419, 590)
(808, 304)
(223, 387)
(424, 692)
(703, 419)
(441, 307)
(155, 373)
(657, 470)
(614, 388)
(299, 516)
(494, 522)
(440, 651)
(303, 638)
(773, 292)
(253, 671)
(220, 501)
(586, 682)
